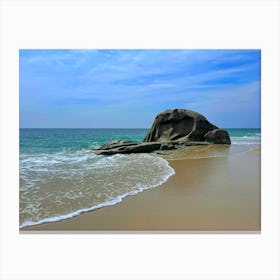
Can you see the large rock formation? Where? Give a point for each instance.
(171, 129)
(179, 124)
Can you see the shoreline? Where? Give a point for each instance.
(205, 194)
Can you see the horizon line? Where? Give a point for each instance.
(122, 128)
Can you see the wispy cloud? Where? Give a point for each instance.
(137, 84)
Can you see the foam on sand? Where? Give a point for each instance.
(85, 183)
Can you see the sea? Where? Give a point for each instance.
(61, 177)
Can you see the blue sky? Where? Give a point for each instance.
(128, 88)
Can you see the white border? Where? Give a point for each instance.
(135, 24)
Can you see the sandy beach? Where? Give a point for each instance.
(205, 194)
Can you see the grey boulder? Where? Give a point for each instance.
(179, 124)
(217, 136)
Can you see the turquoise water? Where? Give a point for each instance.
(60, 176)
(53, 140)
(241, 132)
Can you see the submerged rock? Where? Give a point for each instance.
(168, 146)
(135, 148)
(116, 144)
(171, 129)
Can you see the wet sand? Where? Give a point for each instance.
(205, 194)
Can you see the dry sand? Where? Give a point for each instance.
(218, 193)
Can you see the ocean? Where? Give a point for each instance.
(60, 176)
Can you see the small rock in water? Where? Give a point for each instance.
(137, 148)
(116, 144)
(218, 136)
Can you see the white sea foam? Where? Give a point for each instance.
(57, 186)
(246, 140)
(87, 183)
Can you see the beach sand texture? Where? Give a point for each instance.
(220, 193)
